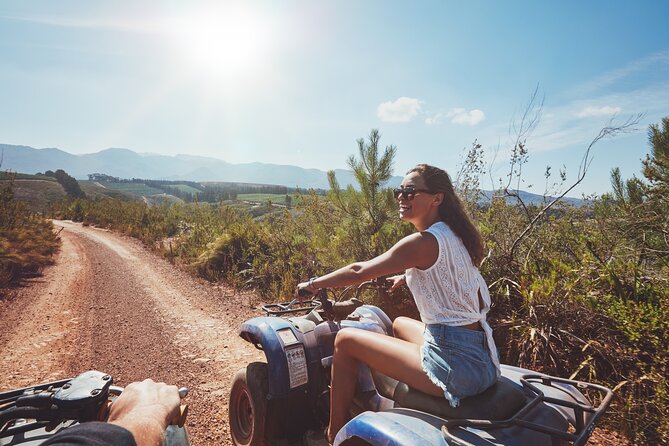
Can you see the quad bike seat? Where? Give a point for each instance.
(499, 402)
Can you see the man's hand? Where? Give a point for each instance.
(146, 409)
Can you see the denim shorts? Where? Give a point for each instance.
(457, 360)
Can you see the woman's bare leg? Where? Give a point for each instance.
(394, 357)
(409, 329)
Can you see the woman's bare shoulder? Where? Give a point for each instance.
(423, 241)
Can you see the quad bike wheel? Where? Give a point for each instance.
(248, 405)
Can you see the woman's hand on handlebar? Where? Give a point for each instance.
(305, 290)
(396, 282)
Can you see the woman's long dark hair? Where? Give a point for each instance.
(451, 210)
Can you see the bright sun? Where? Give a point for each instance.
(228, 42)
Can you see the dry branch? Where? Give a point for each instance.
(607, 132)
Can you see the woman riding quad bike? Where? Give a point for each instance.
(279, 401)
(445, 366)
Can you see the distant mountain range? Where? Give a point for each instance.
(124, 163)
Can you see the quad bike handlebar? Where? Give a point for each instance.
(336, 309)
(287, 308)
(87, 397)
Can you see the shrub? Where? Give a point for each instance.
(27, 241)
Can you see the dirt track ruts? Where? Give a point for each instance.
(111, 305)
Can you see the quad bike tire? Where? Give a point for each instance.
(248, 405)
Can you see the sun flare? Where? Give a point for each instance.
(222, 43)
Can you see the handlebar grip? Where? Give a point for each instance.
(103, 411)
(303, 292)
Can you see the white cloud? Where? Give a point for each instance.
(463, 117)
(402, 110)
(598, 111)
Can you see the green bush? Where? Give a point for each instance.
(27, 241)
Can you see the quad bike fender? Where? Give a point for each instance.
(397, 427)
(391, 428)
(377, 315)
(289, 354)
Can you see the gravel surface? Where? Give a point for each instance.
(109, 304)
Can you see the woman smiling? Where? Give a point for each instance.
(451, 351)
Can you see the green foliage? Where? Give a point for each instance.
(366, 212)
(183, 188)
(632, 265)
(656, 164)
(70, 185)
(27, 241)
(586, 294)
(585, 297)
(231, 254)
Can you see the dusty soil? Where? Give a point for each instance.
(109, 304)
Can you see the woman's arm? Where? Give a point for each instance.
(418, 250)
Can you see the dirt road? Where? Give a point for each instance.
(109, 304)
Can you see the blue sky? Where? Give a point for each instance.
(298, 82)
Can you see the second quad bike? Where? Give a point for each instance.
(277, 401)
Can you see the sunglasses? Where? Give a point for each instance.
(408, 193)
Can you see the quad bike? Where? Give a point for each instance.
(278, 401)
(29, 416)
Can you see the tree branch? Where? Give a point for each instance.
(607, 132)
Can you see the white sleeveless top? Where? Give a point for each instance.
(447, 292)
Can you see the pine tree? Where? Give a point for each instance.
(656, 164)
(366, 211)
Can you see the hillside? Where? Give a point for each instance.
(124, 163)
(39, 194)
